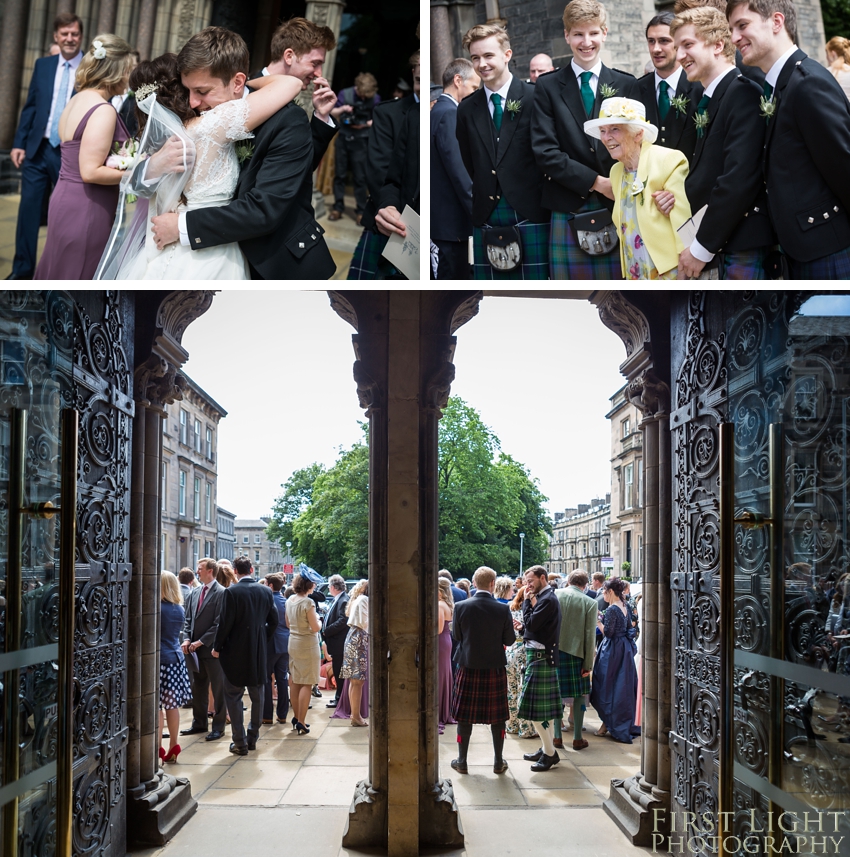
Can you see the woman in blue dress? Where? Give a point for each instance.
(614, 689)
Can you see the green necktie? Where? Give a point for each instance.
(587, 95)
(768, 91)
(663, 100)
(703, 103)
(497, 110)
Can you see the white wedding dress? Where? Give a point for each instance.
(212, 184)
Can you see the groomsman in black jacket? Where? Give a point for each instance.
(575, 166)
(494, 134)
(807, 148)
(669, 97)
(482, 628)
(735, 235)
(451, 186)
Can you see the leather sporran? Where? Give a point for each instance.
(503, 247)
(595, 232)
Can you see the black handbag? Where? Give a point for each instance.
(503, 246)
(595, 232)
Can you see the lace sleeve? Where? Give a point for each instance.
(225, 123)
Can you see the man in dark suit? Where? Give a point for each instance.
(277, 655)
(451, 187)
(35, 150)
(387, 122)
(248, 621)
(807, 146)
(335, 630)
(576, 166)
(482, 627)
(735, 235)
(272, 214)
(670, 98)
(199, 630)
(494, 134)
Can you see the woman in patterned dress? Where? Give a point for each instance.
(515, 655)
(355, 655)
(174, 687)
(649, 242)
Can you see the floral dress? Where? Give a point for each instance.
(516, 669)
(639, 264)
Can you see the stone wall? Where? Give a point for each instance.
(535, 27)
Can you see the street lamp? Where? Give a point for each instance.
(521, 542)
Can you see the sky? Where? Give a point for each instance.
(540, 373)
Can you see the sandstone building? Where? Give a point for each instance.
(581, 538)
(251, 541)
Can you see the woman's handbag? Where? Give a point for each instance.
(595, 232)
(503, 247)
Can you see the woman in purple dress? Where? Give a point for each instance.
(82, 207)
(445, 608)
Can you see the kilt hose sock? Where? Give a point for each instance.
(578, 717)
(464, 733)
(497, 730)
(546, 736)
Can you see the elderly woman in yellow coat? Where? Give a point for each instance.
(649, 242)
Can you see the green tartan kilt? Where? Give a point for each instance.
(570, 679)
(367, 256)
(567, 261)
(535, 247)
(540, 697)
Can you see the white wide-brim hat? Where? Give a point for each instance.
(622, 111)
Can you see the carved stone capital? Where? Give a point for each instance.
(441, 825)
(466, 310)
(625, 319)
(343, 308)
(368, 389)
(157, 382)
(367, 818)
(649, 394)
(180, 309)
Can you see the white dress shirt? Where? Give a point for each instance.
(503, 92)
(595, 72)
(697, 250)
(775, 70)
(672, 82)
(57, 80)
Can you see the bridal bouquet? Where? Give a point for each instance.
(123, 155)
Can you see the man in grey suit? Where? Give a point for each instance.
(202, 615)
(335, 630)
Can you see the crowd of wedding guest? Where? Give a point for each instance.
(726, 160)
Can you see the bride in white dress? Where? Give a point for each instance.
(202, 174)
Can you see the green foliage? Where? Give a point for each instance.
(836, 18)
(486, 499)
(626, 567)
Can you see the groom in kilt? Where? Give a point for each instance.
(540, 697)
(482, 628)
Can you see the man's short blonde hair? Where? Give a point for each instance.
(483, 578)
(484, 31)
(585, 12)
(710, 26)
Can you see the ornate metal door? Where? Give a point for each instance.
(63, 353)
(750, 360)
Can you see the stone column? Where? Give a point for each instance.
(327, 13)
(147, 23)
(441, 39)
(106, 16)
(665, 607)
(12, 44)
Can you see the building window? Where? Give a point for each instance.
(198, 438)
(196, 552)
(626, 424)
(184, 427)
(628, 486)
(196, 500)
(640, 483)
(244, 540)
(164, 487)
(209, 443)
(163, 549)
(165, 423)
(584, 548)
(639, 558)
(258, 539)
(209, 547)
(627, 553)
(209, 503)
(181, 499)
(256, 556)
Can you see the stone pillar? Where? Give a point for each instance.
(327, 13)
(665, 607)
(12, 44)
(147, 24)
(106, 16)
(441, 39)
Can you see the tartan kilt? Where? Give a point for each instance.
(535, 247)
(746, 265)
(836, 266)
(567, 261)
(570, 679)
(367, 256)
(480, 696)
(540, 697)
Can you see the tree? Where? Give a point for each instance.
(296, 498)
(836, 18)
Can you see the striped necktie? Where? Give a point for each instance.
(61, 100)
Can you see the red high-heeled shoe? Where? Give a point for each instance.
(173, 753)
(161, 754)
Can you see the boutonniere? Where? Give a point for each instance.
(607, 90)
(637, 189)
(244, 151)
(767, 108)
(680, 104)
(513, 107)
(701, 120)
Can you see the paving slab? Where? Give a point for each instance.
(320, 785)
(481, 787)
(344, 755)
(259, 774)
